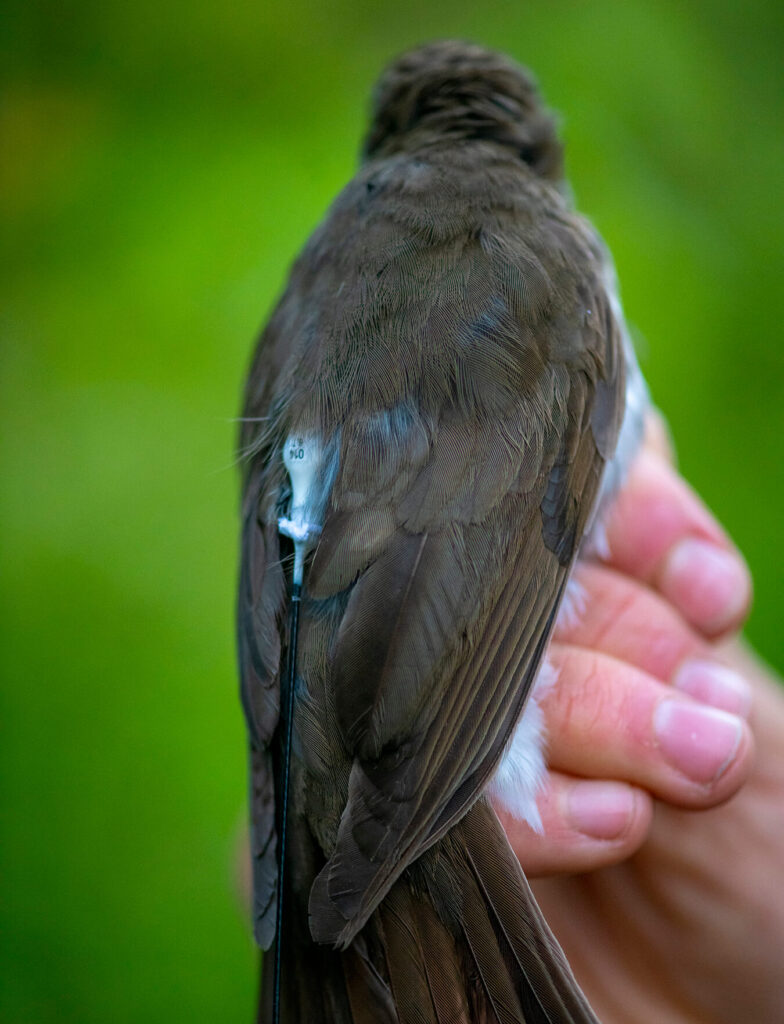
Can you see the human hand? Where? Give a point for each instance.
(691, 927)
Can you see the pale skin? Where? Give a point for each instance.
(666, 915)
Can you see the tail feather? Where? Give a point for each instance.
(406, 957)
(313, 990)
(496, 991)
(369, 995)
(458, 939)
(548, 990)
(442, 963)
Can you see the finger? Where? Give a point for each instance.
(659, 532)
(609, 720)
(619, 617)
(587, 825)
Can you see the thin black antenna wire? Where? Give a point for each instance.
(292, 673)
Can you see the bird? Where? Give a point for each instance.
(436, 418)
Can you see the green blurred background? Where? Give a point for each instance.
(161, 165)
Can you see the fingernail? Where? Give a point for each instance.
(699, 742)
(710, 585)
(601, 810)
(714, 684)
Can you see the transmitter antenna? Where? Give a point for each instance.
(301, 457)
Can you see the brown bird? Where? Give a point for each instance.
(431, 424)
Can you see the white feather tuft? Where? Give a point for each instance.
(521, 774)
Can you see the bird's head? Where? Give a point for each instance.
(455, 90)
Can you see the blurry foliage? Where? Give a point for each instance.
(161, 165)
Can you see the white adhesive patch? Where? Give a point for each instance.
(302, 457)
